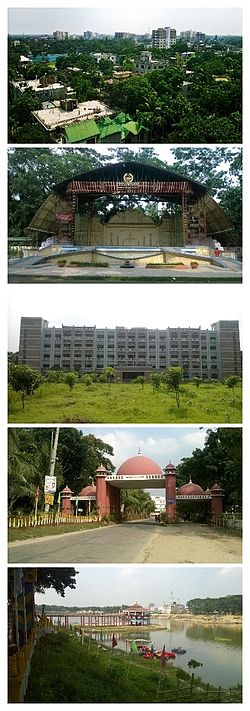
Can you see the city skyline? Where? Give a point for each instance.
(108, 20)
(140, 309)
(127, 585)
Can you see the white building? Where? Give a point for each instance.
(163, 37)
(145, 64)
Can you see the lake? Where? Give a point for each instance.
(218, 647)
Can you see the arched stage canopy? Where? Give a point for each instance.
(197, 218)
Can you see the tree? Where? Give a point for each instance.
(32, 173)
(141, 380)
(136, 502)
(156, 381)
(108, 376)
(71, 380)
(56, 578)
(197, 381)
(173, 379)
(28, 463)
(231, 381)
(24, 380)
(87, 380)
(79, 456)
(220, 461)
(193, 664)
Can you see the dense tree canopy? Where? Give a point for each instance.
(231, 604)
(136, 502)
(193, 98)
(220, 461)
(29, 459)
(56, 578)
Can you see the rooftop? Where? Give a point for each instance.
(59, 118)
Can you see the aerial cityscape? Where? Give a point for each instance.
(124, 87)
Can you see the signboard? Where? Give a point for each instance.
(64, 217)
(50, 484)
(49, 499)
(171, 501)
(137, 477)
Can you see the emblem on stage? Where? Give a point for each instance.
(128, 178)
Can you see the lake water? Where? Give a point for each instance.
(47, 57)
(218, 647)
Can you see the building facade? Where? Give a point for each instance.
(204, 353)
(163, 37)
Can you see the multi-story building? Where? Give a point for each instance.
(164, 37)
(192, 36)
(204, 353)
(60, 35)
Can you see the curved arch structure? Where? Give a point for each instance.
(140, 472)
(68, 217)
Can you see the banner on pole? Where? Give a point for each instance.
(50, 484)
(49, 499)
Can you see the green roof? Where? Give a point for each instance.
(122, 117)
(110, 130)
(105, 121)
(81, 131)
(132, 127)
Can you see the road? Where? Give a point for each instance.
(134, 542)
(50, 272)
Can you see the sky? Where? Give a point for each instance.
(127, 584)
(133, 305)
(108, 19)
(161, 444)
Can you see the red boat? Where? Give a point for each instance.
(167, 655)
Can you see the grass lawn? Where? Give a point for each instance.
(22, 534)
(127, 403)
(64, 671)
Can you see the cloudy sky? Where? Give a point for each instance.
(161, 444)
(128, 584)
(107, 19)
(149, 306)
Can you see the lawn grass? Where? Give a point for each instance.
(23, 534)
(127, 403)
(65, 671)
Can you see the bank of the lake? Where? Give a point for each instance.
(217, 646)
(66, 669)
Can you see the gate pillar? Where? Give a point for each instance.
(170, 472)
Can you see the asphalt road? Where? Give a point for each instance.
(135, 542)
(48, 271)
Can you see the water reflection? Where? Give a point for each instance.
(217, 647)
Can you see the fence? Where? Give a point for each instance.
(192, 692)
(232, 522)
(19, 663)
(47, 519)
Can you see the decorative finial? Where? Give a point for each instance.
(139, 450)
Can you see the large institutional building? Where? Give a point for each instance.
(208, 354)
